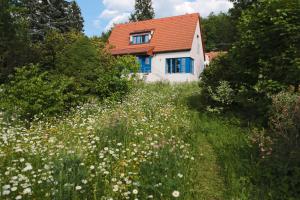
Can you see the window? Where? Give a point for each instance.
(140, 39)
(179, 65)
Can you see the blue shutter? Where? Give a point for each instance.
(188, 65)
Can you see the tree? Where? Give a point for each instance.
(143, 11)
(75, 18)
(14, 45)
(57, 15)
(265, 60)
(218, 32)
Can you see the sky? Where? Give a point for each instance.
(100, 15)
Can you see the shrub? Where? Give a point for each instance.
(86, 60)
(31, 92)
(117, 80)
(279, 147)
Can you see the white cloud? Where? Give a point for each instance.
(118, 11)
(116, 20)
(108, 14)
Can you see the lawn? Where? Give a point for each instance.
(154, 144)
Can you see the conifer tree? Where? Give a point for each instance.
(143, 11)
(58, 15)
(75, 18)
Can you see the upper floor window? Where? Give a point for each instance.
(140, 39)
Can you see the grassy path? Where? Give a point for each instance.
(153, 145)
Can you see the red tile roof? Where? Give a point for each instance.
(170, 34)
(214, 54)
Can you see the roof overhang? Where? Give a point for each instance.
(133, 51)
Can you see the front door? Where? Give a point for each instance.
(145, 63)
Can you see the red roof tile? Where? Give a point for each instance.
(170, 34)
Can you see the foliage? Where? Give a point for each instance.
(15, 45)
(218, 32)
(52, 15)
(269, 45)
(265, 60)
(117, 81)
(32, 92)
(86, 60)
(222, 94)
(143, 11)
(279, 148)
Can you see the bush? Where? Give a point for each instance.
(31, 92)
(86, 60)
(279, 147)
(118, 80)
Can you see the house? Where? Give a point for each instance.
(168, 49)
(210, 56)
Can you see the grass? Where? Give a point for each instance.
(155, 144)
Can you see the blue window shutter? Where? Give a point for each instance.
(188, 64)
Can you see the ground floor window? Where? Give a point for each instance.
(179, 65)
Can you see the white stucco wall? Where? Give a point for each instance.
(159, 63)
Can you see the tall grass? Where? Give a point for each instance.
(153, 145)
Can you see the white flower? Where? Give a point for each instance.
(5, 192)
(150, 197)
(14, 189)
(135, 191)
(180, 175)
(92, 167)
(115, 188)
(6, 187)
(27, 191)
(175, 194)
(84, 181)
(27, 168)
(78, 187)
(18, 197)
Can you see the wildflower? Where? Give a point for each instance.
(92, 167)
(27, 168)
(6, 192)
(78, 187)
(6, 187)
(14, 189)
(84, 181)
(115, 188)
(27, 191)
(179, 175)
(135, 191)
(175, 194)
(18, 197)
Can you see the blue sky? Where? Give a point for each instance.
(100, 15)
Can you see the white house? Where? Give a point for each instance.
(169, 49)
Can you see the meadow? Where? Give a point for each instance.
(154, 144)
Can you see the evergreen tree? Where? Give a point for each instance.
(75, 18)
(14, 43)
(143, 11)
(58, 15)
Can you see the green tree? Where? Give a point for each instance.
(143, 11)
(75, 19)
(266, 58)
(218, 32)
(14, 41)
(57, 15)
